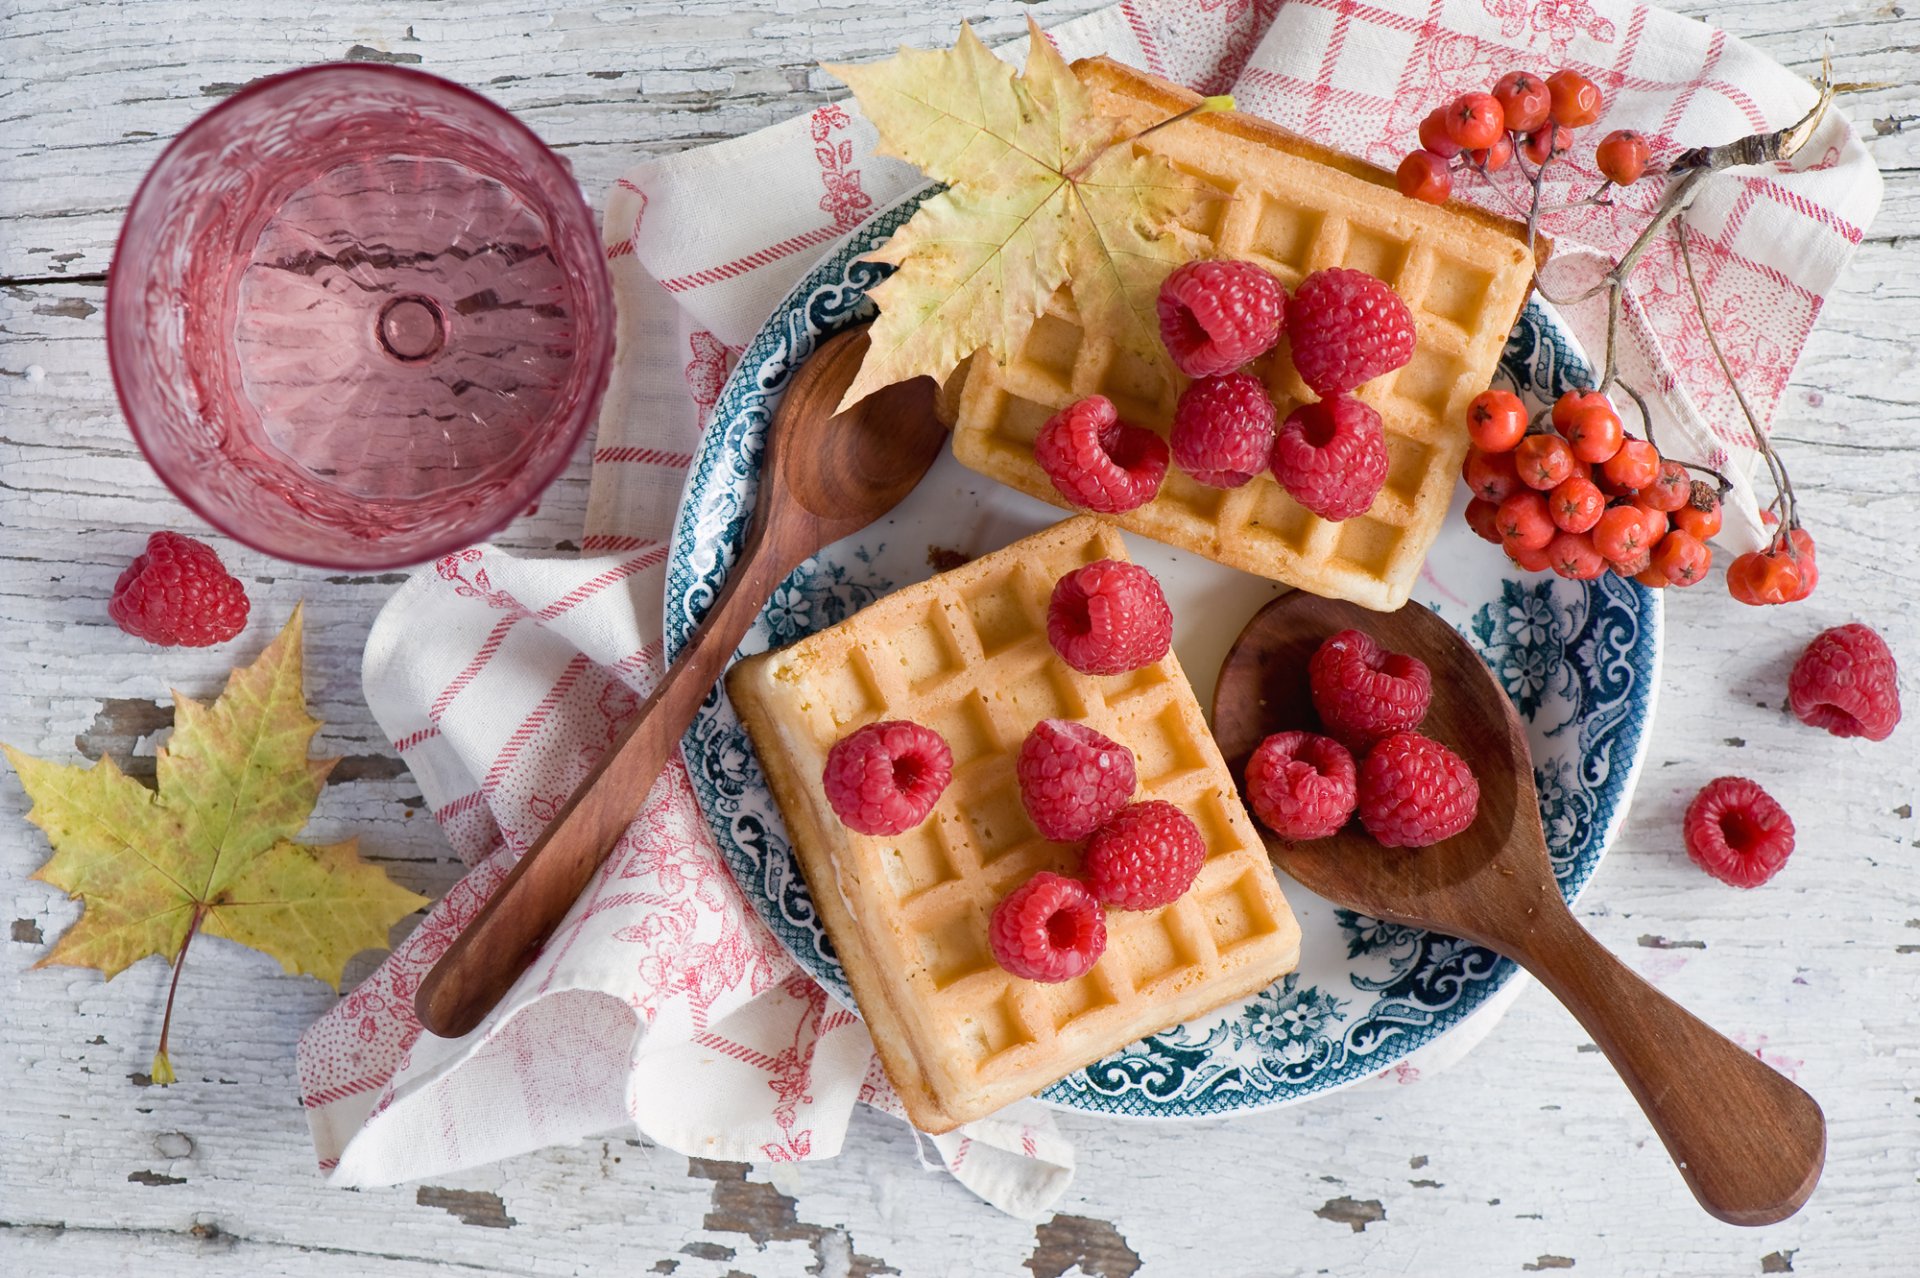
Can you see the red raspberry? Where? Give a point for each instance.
(178, 592)
(1146, 857)
(1108, 618)
(1302, 785)
(1346, 327)
(1846, 682)
(1215, 316)
(1223, 429)
(1072, 779)
(885, 778)
(1332, 457)
(1737, 833)
(1048, 929)
(1099, 462)
(1363, 692)
(1415, 792)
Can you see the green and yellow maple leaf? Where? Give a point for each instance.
(1038, 195)
(216, 848)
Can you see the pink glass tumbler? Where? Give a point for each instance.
(359, 316)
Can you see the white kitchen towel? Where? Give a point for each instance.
(662, 1005)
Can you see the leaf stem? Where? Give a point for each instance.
(161, 1061)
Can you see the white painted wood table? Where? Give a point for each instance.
(1527, 1157)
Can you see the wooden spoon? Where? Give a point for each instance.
(823, 478)
(1749, 1143)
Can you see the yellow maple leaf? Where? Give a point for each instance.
(1038, 195)
(215, 849)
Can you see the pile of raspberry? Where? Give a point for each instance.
(1076, 785)
(1525, 115)
(1571, 491)
(1343, 328)
(1410, 791)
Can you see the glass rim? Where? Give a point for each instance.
(599, 351)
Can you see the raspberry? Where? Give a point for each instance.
(1215, 316)
(1302, 785)
(1223, 429)
(1099, 462)
(1108, 618)
(177, 592)
(1737, 833)
(1363, 692)
(1415, 792)
(1332, 457)
(1048, 929)
(1846, 682)
(1346, 327)
(1146, 857)
(885, 778)
(1072, 779)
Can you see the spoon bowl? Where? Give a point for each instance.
(1749, 1143)
(825, 476)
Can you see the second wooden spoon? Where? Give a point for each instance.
(1749, 1143)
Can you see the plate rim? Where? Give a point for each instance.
(797, 325)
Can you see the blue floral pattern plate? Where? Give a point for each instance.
(1580, 660)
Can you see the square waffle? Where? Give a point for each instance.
(1293, 208)
(966, 654)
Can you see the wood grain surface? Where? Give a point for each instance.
(1527, 1157)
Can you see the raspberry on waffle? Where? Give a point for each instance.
(966, 654)
(1290, 207)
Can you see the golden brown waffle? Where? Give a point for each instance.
(1293, 208)
(966, 654)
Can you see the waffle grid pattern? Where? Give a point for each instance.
(966, 653)
(1463, 277)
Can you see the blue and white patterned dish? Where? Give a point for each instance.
(1580, 660)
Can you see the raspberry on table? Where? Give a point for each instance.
(1072, 779)
(1099, 462)
(1736, 832)
(1108, 618)
(1346, 327)
(1215, 316)
(1363, 692)
(1048, 929)
(177, 592)
(1848, 683)
(1223, 429)
(885, 777)
(1415, 792)
(1301, 785)
(1145, 857)
(1331, 457)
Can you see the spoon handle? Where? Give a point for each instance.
(500, 943)
(1749, 1143)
